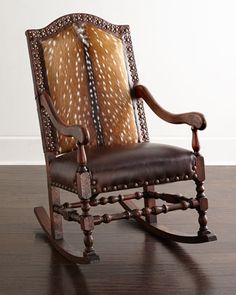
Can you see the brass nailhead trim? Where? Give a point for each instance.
(195, 176)
(121, 198)
(136, 184)
(138, 195)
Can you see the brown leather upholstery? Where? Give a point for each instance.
(127, 166)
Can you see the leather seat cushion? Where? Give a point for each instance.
(125, 166)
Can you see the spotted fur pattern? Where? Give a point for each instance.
(88, 83)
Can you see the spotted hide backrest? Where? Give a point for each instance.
(88, 68)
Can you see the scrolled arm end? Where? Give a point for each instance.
(194, 119)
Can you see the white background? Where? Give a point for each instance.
(185, 52)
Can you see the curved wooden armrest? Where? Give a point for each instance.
(196, 120)
(80, 133)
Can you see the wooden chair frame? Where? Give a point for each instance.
(51, 124)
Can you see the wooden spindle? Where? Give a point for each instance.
(202, 208)
(81, 158)
(195, 141)
(87, 225)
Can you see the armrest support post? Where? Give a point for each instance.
(81, 158)
(83, 177)
(195, 141)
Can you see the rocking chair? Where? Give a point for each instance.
(95, 137)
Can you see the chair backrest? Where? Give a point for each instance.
(87, 66)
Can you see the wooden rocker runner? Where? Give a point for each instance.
(95, 137)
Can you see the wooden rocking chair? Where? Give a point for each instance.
(95, 137)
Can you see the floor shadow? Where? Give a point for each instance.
(180, 269)
(64, 277)
(190, 269)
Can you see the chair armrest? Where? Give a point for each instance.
(196, 120)
(80, 133)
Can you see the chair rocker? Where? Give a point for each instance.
(95, 137)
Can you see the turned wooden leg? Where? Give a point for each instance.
(87, 225)
(55, 219)
(149, 203)
(203, 206)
